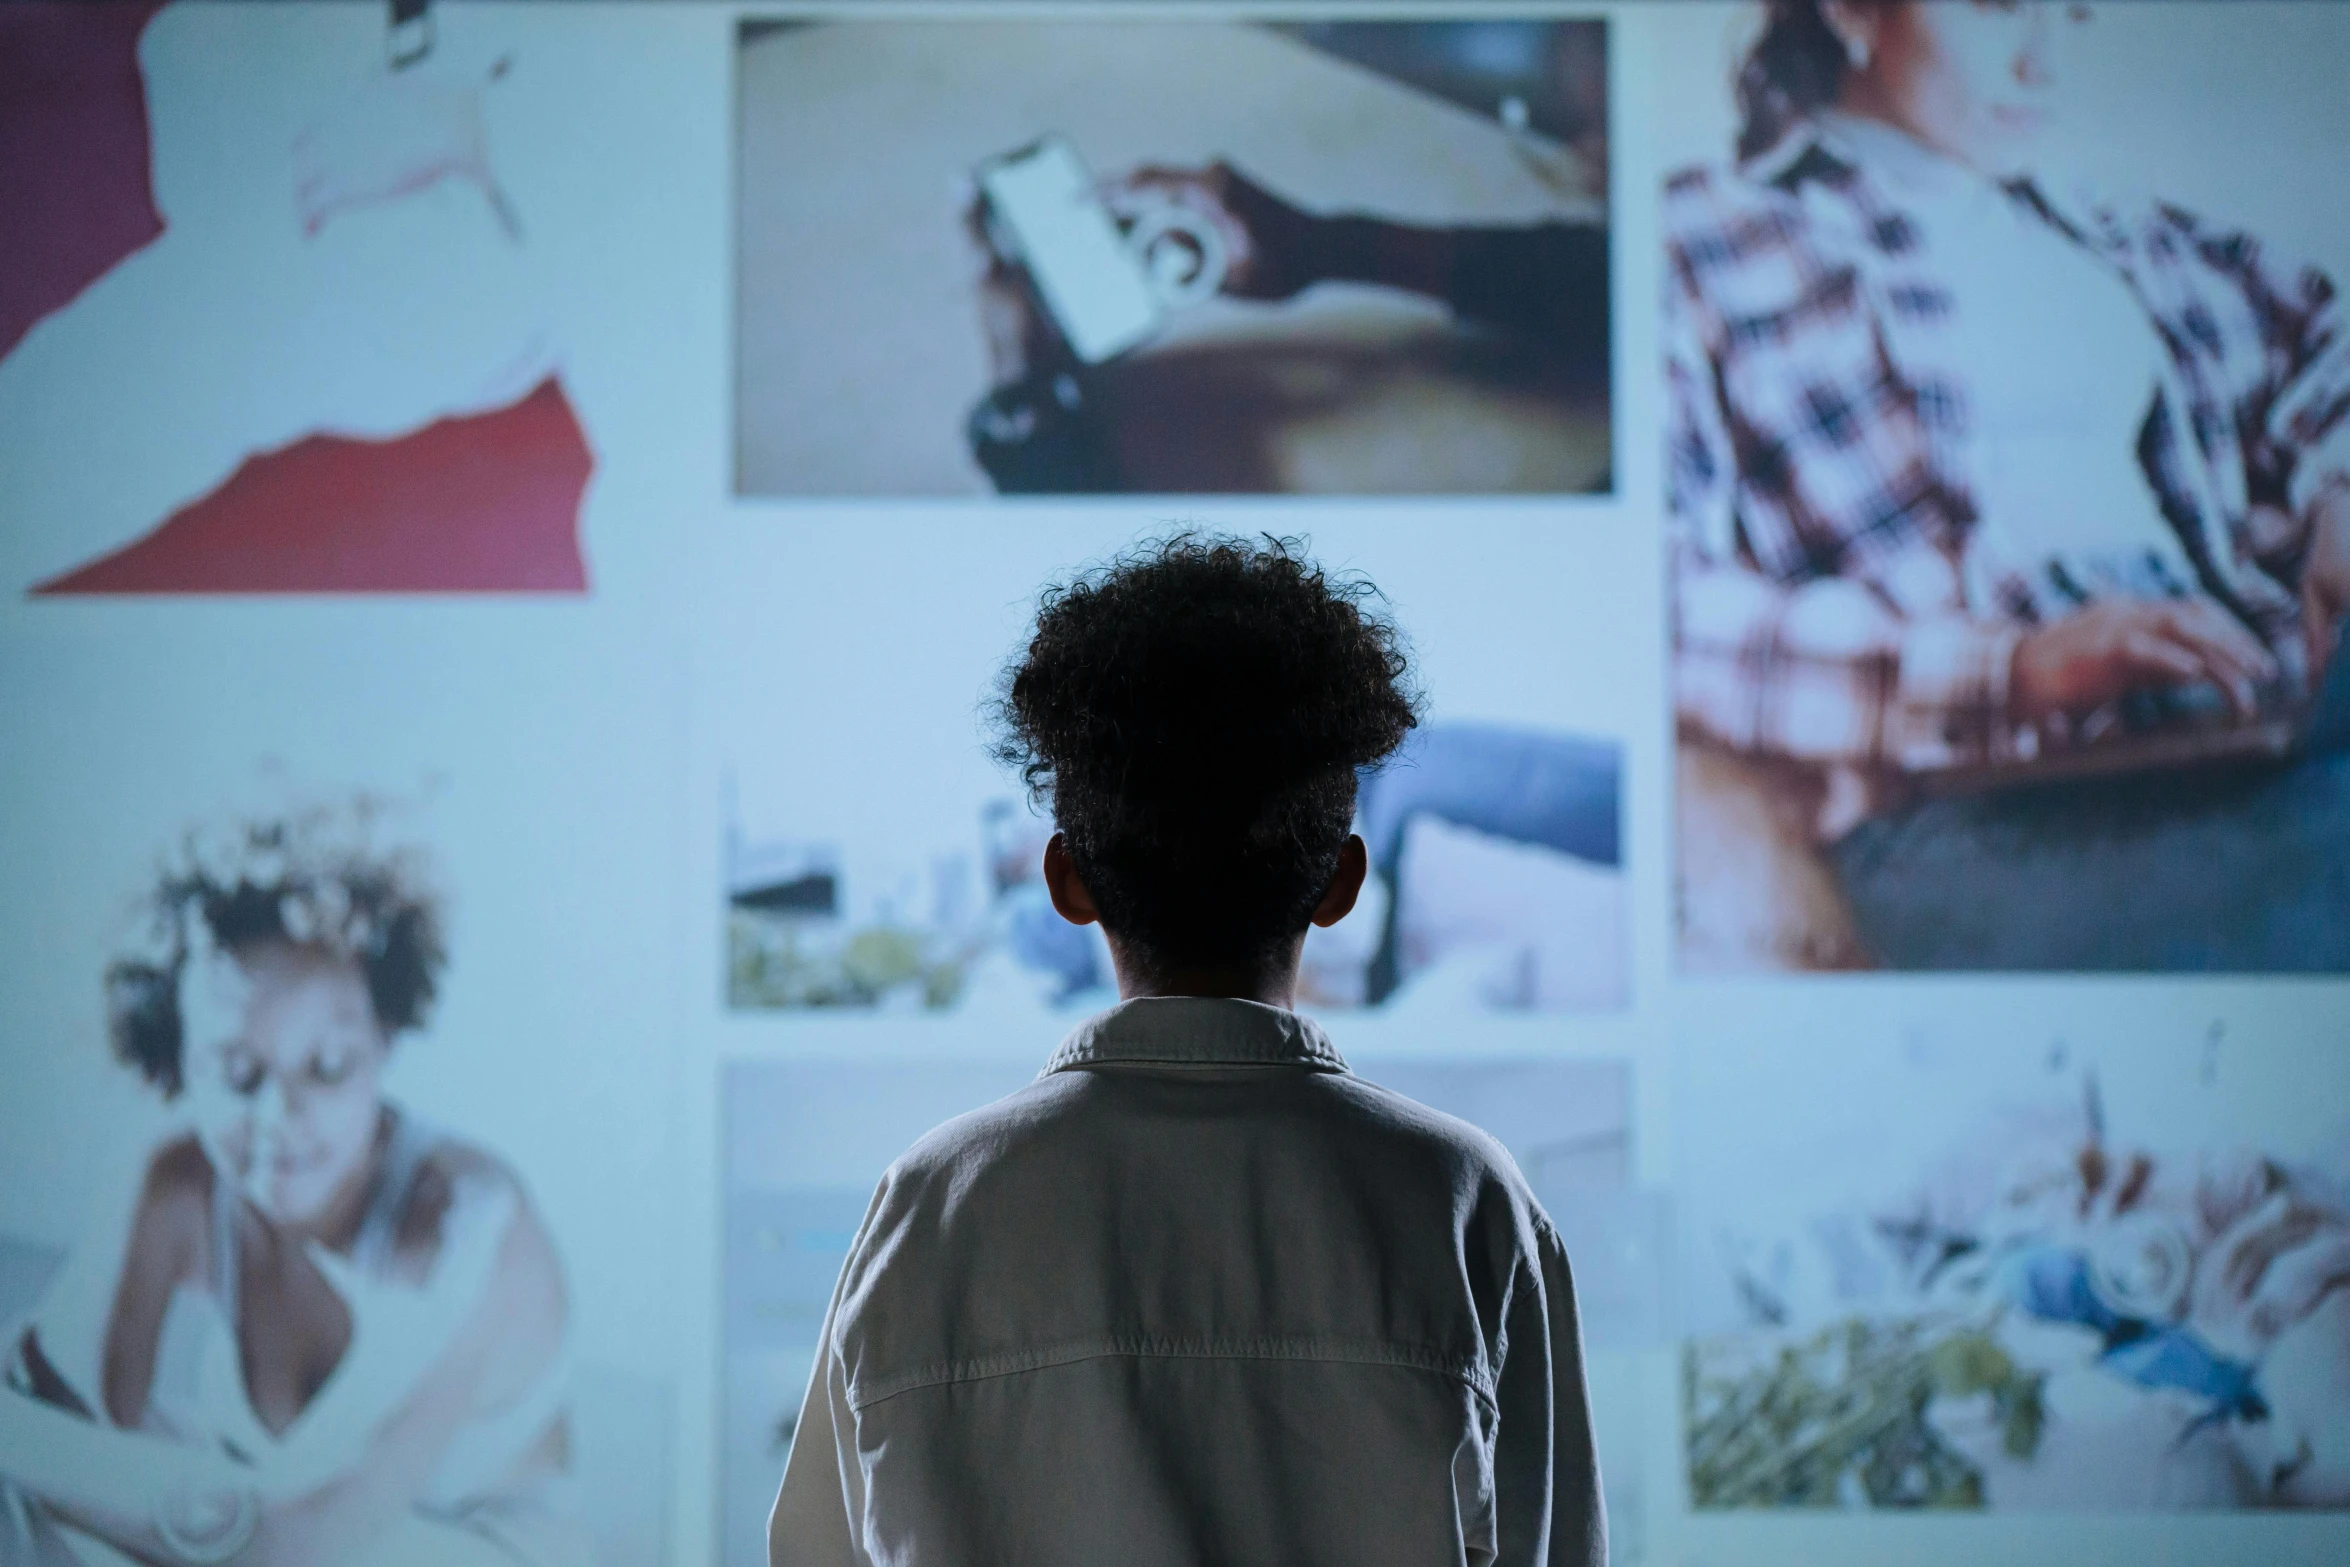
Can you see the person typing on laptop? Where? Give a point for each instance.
(1977, 483)
(1199, 1294)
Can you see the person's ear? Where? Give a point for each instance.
(1856, 28)
(1346, 883)
(1071, 900)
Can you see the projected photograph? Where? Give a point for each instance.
(279, 328)
(874, 862)
(2008, 486)
(1496, 885)
(2011, 1274)
(807, 1141)
(1032, 255)
(317, 1322)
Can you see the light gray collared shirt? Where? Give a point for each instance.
(1198, 1295)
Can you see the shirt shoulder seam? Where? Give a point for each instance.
(864, 1393)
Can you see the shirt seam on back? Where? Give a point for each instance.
(864, 1395)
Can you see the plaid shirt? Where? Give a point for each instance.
(1818, 452)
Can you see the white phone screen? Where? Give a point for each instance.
(1070, 244)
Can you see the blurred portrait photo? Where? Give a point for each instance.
(321, 1325)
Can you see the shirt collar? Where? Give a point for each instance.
(1897, 157)
(1197, 1031)
(1897, 161)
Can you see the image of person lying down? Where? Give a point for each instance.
(2010, 531)
(2046, 1318)
(320, 355)
(327, 1331)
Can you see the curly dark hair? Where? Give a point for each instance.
(1796, 65)
(308, 879)
(1194, 714)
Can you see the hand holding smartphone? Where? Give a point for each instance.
(1108, 287)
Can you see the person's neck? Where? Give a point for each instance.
(1272, 984)
(1859, 102)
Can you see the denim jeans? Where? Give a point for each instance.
(2242, 869)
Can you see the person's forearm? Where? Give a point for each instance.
(338, 1516)
(1356, 249)
(301, 1538)
(1548, 281)
(114, 1484)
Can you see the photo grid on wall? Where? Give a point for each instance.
(509, 517)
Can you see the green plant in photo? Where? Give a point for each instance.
(1842, 1418)
(779, 964)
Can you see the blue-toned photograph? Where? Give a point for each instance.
(2007, 487)
(2045, 1274)
(899, 871)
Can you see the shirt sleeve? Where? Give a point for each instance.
(2310, 418)
(810, 1525)
(813, 1523)
(1545, 1463)
(2325, 461)
(1825, 671)
(2298, 432)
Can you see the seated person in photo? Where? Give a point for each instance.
(1199, 1294)
(1546, 283)
(1976, 481)
(329, 1332)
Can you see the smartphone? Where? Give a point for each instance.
(1044, 212)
